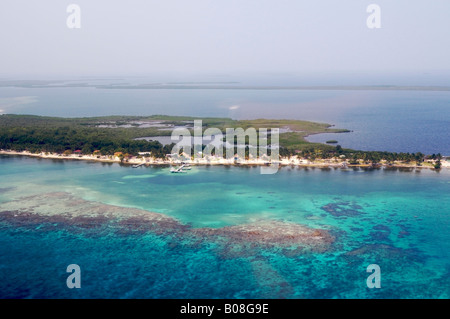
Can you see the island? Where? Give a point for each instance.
(137, 140)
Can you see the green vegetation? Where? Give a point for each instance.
(110, 134)
(58, 135)
(117, 134)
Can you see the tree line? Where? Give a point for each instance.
(85, 139)
(58, 135)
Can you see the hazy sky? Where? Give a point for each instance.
(222, 36)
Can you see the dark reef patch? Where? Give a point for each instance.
(381, 233)
(6, 189)
(343, 209)
(387, 252)
(382, 228)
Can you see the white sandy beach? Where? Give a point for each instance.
(212, 160)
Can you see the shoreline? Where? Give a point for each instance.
(147, 161)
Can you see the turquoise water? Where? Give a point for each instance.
(394, 218)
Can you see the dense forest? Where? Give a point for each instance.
(54, 135)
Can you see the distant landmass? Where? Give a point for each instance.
(231, 85)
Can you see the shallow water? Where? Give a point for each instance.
(397, 219)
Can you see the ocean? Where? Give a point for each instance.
(395, 218)
(230, 232)
(395, 121)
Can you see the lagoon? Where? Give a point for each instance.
(396, 121)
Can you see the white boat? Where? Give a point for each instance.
(177, 170)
